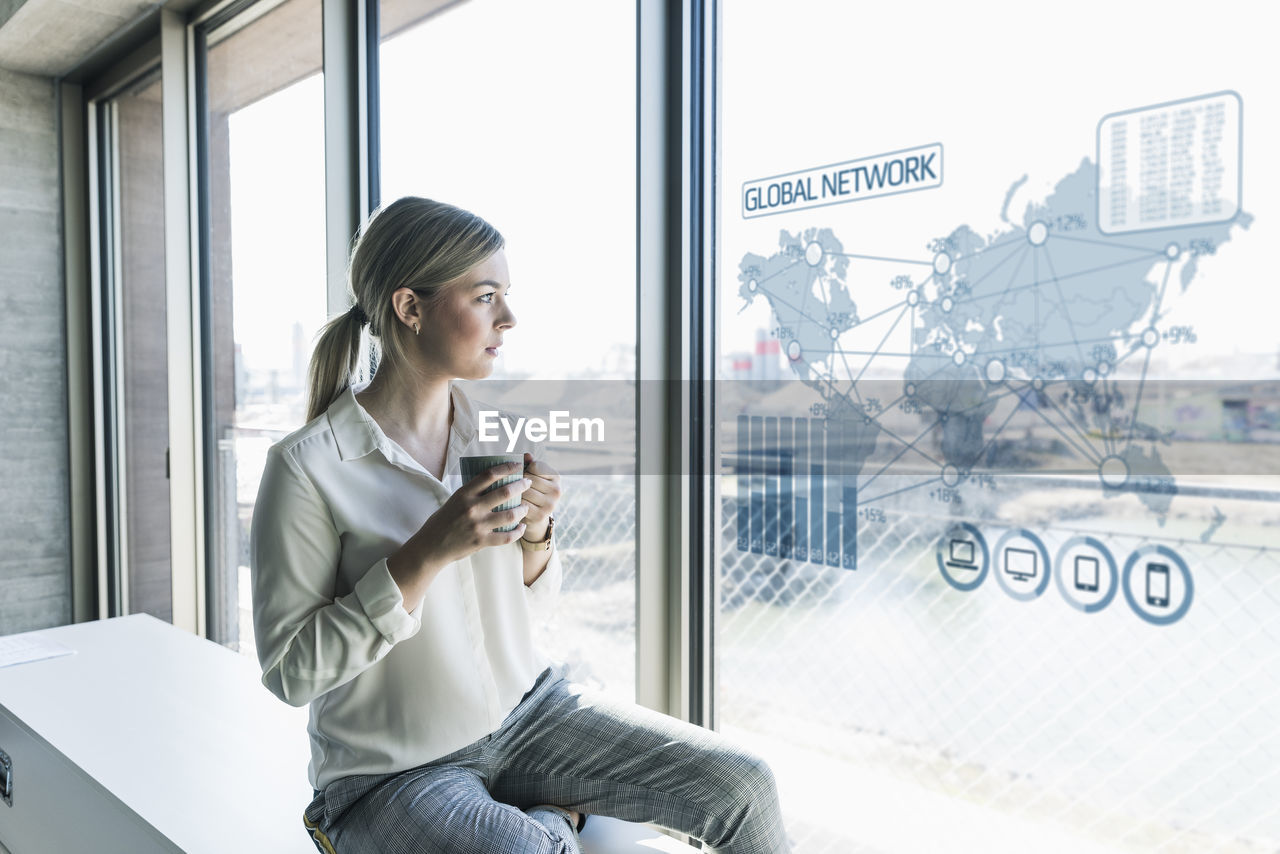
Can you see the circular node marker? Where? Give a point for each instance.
(1079, 568)
(1037, 383)
(958, 357)
(813, 254)
(1022, 564)
(752, 285)
(910, 390)
(1172, 251)
(948, 303)
(995, 371)
(951, 475)
(1152, 563)
(793, 350)
(963, 557)
(1090, 376)
(942, 419)
(1038, 233)
(1113, 471)
(835, 333)
(1104, 368)
(1150, 337)
(941, 263)
(913, 297)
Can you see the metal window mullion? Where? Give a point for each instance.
(98, 223)
(654, 615)
(346, 138)
(371, 115)
(674, 505)
(75, 165)
(118, 586)
(704, 436)
(186, 476)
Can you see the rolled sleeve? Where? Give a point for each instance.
(383, 603)
(545, 590)
(310, 640)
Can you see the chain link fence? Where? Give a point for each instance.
(593, 627)
(899, 700)
(901, 712)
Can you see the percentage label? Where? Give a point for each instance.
(873, 514)
(945, 496)
(900, 283)
(839, 318)
(1180, 335)
(910, 406)
(985, 481)
(782, 332)
(1203, 246)
(1069, 222)
(818, 410)
(872, 405)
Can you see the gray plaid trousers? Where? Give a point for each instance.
(566, 746)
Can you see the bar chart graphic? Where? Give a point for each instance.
(797, 498)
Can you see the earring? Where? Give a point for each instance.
(415, 329)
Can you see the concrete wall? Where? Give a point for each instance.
(35, 574)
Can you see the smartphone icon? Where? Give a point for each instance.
(1086, 573)
(1158, 585)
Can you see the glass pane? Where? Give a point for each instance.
(538, 122)
(143, 350)
(267, 267)
(999, 421)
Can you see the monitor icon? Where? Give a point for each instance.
(1020, 563)
(961, 554)
(1086, 573)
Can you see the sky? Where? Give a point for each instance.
(548, 156)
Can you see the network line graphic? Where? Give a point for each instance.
(1037, 318)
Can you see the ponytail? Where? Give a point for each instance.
(411, 243)
(334, 360)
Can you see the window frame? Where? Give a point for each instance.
(677, 513)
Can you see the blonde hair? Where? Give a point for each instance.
(411, 243)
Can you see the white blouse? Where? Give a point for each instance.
(389, 688)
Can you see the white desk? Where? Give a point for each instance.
(149, 739)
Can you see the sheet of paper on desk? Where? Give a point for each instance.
(20, 649)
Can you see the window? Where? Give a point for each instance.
(997, 419)
(265, 274)
(521, 131)
(135, 340)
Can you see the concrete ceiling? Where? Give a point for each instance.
(51, 37)
(54, 37)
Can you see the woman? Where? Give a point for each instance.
(385, 598)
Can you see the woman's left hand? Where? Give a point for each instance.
(541, 496)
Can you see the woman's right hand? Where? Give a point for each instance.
(463, 525)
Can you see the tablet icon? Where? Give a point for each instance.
(961, 554)
(1020, 564)
(1086, 574)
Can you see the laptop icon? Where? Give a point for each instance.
(961, 554)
